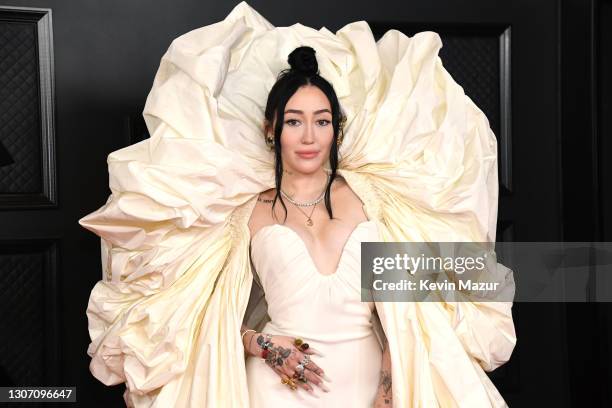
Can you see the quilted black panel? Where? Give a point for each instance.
(22, 326)
(20, 118)
(473, 61)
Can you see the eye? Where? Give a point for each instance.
(291, 122)
(325, 122)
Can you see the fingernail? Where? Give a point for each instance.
(325, 377)
(313, 393)
(317, 352)
(324, 387)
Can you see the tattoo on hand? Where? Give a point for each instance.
(277, 355)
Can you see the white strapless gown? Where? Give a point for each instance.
(324, 310)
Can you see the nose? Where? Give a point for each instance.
(309, 134)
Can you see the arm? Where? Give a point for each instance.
(255, 307)
(384, 396)
(247, 343)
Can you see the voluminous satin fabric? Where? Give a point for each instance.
(325, 311)
(177, 279)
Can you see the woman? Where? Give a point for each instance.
(318, 269)
(183, 235)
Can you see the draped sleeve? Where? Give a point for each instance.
(424, 156)
(165, 317)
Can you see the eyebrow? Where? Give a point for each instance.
(302, 112)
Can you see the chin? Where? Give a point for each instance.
(307, 167)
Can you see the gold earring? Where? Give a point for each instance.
(269, 141)
(341, 131)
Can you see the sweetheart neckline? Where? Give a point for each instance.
(308, 254)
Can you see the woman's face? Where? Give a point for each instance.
(307, 131)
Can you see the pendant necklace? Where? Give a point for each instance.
(314, 203)
(309, 221)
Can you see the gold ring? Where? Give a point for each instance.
(289, 382)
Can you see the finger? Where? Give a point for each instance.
(314, 367)
(312, 350)
(286, 373)
(305, 385)
(285, 378)
(291, 363)
(309, 350)
(318, 370)
(288, 369)
(280, 373)
(299, 360)
(315, 379)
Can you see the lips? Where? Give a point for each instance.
(308, 154)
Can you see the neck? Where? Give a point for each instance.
(302, 186)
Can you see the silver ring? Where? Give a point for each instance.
(306, 360)
(299, 368)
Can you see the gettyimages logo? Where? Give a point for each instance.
(486, 272)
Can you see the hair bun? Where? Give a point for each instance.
(303, 60)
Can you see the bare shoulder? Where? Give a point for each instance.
(261, 214)
(347, 201)
(344, 190)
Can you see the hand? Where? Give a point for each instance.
(283, 357)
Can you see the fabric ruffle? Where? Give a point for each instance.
(165, 317)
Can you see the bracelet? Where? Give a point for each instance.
(245, 332)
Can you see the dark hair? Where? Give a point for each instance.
(304, 71)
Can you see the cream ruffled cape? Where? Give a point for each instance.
(165, 318)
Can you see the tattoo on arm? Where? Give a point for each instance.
(385, 384)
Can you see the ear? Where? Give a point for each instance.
(267, 127)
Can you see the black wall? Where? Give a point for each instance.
(539, 70)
